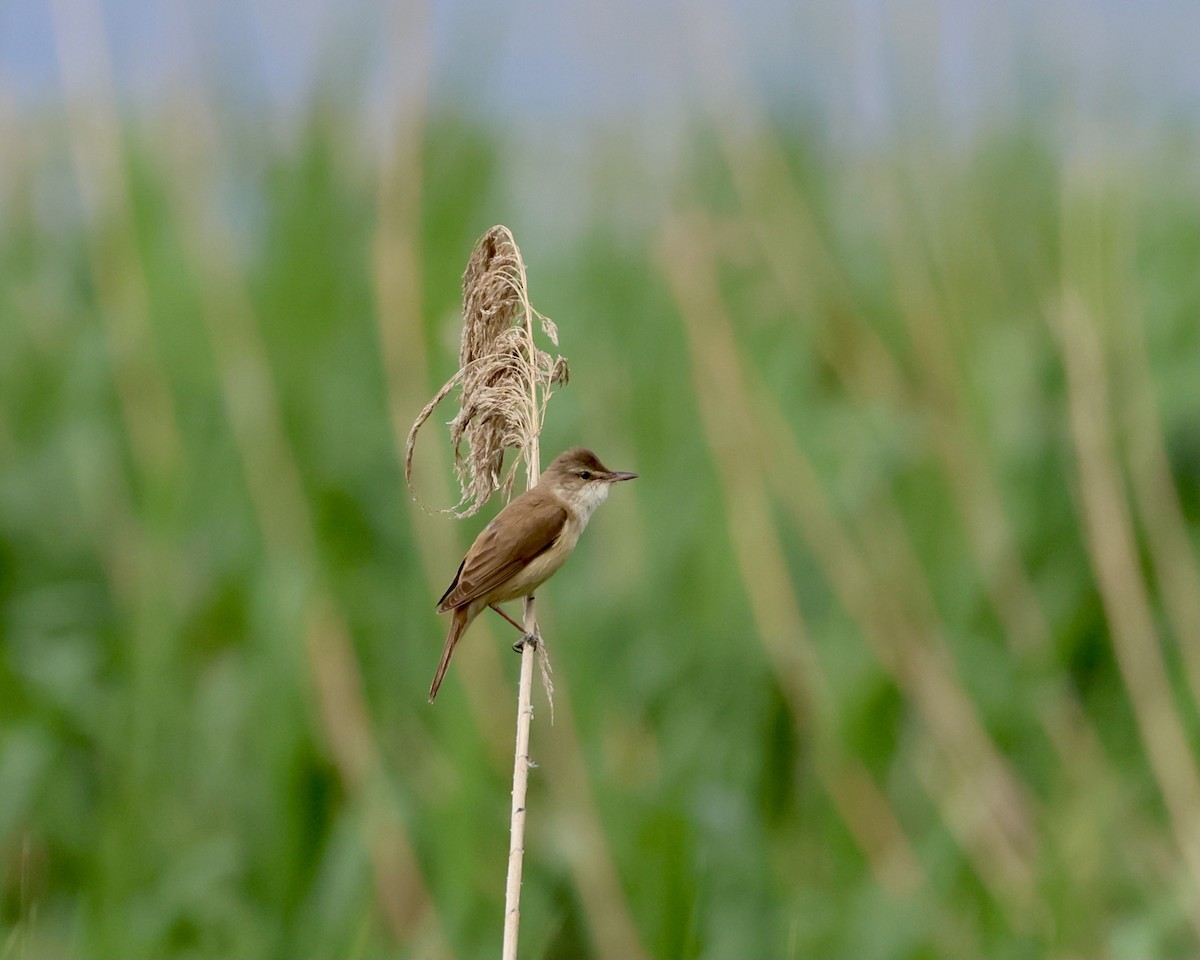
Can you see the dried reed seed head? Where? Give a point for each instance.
(506, 379)
(491, 288)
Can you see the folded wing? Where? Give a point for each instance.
(506, 545)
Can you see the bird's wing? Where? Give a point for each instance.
(511, 540)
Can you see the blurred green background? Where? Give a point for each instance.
(893, 651)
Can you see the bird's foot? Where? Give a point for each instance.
(530, 638)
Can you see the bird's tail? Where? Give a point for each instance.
(457, 626)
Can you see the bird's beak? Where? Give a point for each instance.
(615, 476)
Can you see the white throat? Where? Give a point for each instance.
(587, 499)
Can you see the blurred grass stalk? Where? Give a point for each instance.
(989, 812)
(251, 402)
(989, 819)
(1108, 520)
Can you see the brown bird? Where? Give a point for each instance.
(525, 543)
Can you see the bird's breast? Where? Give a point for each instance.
(542, 567)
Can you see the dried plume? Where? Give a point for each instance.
(506, 378)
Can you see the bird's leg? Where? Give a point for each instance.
(525, 637)
(507, 617)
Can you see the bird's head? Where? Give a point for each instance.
(578, 476)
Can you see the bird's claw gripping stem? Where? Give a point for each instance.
(529, 638)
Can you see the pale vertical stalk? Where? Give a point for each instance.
(516, 826)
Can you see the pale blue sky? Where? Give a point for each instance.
(855, 63)
(567, 81)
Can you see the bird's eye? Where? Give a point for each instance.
(585, 474)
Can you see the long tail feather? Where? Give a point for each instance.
(457, 626)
